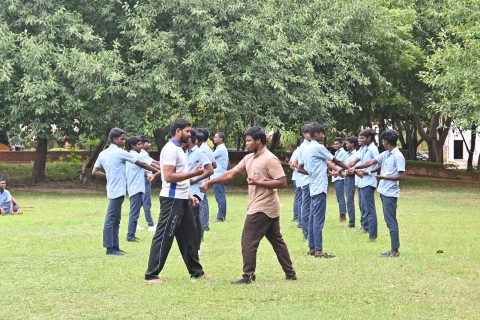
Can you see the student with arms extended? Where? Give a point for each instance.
(264, 176)
(176, 216)
(113, 161)
(391, 172)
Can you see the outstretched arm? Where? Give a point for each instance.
(224, 177)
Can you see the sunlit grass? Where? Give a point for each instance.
(53, 264)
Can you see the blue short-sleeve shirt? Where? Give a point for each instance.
(392, 164)
(368, 153)
(204, 146)
(113, 160)
(315, 156)
(194, 157)
(302, 179)
(136, 175)
(341, 155)
(221, 158)
(5, 199)
(293, 158)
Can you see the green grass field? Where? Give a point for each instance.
(53, 265)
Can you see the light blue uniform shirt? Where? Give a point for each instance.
(204, 146)
(136, 175)
(5, 199)
(113, 160)
(221, 158)
(349, 156)
(302, 179)
(316, 156)
(194, 157)
(341, 155)
(368, 153)
(145, 157)
(392, 164)
(293, 158)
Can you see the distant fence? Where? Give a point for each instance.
(29, 156)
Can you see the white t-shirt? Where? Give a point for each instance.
(172, 154)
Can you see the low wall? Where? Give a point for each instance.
(436, 170)
(29, 156)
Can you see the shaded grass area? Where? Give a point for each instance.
(53, 265)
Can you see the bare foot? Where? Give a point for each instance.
(154, 281)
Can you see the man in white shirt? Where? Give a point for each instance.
(176, 216)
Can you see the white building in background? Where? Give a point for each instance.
(454, 149)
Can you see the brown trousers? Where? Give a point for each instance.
(257, 226)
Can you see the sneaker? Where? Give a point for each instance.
(135, 239)
(139, 227)
(152, 228)
(199, 252)
(299, 225)
(348, 226)
(361, 230)
(218, 220)
(369, 240)
(200, 275)
(207, 228)
(111, 252)
(245, 280)
(294, 277)
(389, 254)
(325, 255)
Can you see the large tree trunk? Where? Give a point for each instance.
(38, 172)
(275, 141)
(99, 148)
(160, 137)
(473, 142)
(435, 136)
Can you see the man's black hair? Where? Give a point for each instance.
(353, 140)
(193, 136)
(115, 133)
(179, 123)
(391, 136)
(145, 139)
(256, 133)
(305, 127)
(133, 141)
(300, 140)
(200, 136)
(369, 133)
(338, 139)
(222, 136)
(315, 127)
(2, 179)
(205, 133)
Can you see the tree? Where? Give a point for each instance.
(453, 68)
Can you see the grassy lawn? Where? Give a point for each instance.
(53, 265)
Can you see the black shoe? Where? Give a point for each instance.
(299, 225)
(207, 228)
(245, 280)
(294, 277)
(134, 239)
(112, 252)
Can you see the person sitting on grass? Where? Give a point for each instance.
(7, 203)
